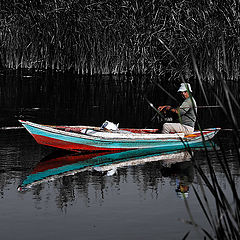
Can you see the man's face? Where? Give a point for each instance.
(185, 94)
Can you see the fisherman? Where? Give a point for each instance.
(186, 112)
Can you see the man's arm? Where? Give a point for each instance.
(184, 108)
(168, 108)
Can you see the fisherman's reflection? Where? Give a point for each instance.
(182, 188)
(181, 171)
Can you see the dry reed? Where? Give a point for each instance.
(109, 37)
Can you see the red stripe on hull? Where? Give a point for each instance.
(69, 145)
(66, 160)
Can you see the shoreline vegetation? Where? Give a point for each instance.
(159, 38)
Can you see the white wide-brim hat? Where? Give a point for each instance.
(185, 87)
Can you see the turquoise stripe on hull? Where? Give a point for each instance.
(110, 144)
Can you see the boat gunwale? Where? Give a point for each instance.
(137, 136)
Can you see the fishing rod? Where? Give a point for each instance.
(172, 97)
(164, 118)
(158, 113)
(154, 108)
(217, 106)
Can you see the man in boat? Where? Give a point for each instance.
(186, 112)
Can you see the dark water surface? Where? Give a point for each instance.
(140, 200)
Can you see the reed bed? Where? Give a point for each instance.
(131, 37)
(223, 214)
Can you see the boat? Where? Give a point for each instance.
(87, 138)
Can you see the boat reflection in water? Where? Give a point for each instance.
(60, 164)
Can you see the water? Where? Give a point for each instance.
(139, 201)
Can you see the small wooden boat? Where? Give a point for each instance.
(79, 138)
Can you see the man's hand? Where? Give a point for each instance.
(164, 109)
(160, 108)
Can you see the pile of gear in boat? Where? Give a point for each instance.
(106, 126)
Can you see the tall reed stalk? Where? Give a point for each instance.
(109, 37)
(223, 217)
